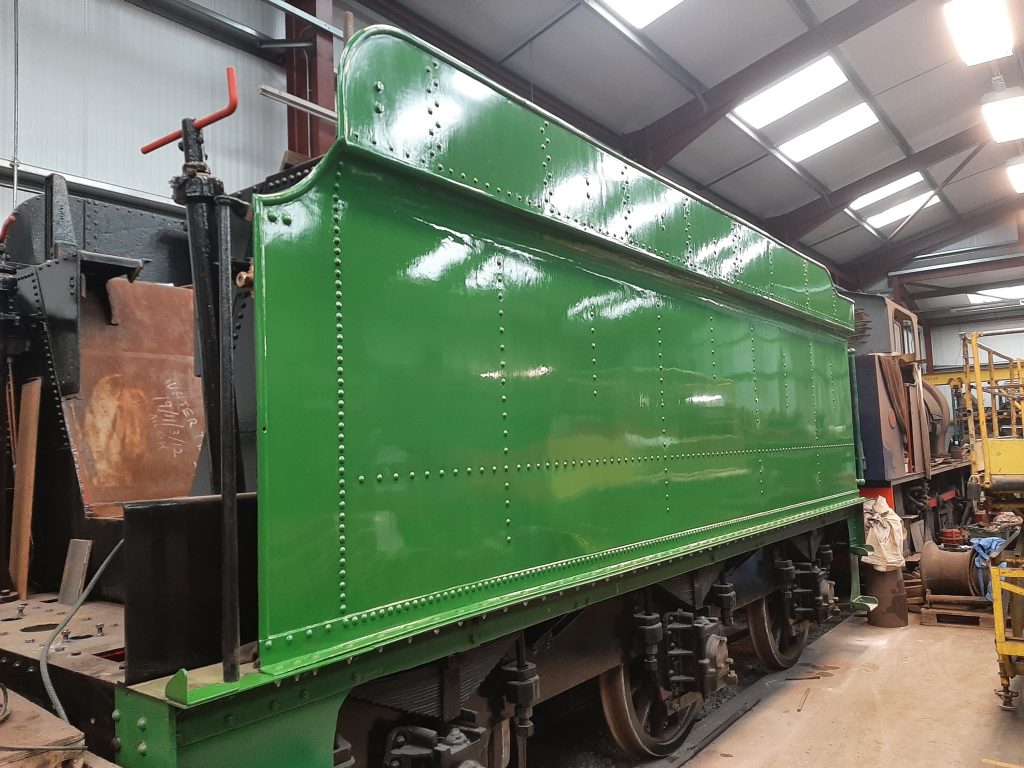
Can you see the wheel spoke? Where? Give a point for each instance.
(776, 644)
(638, 715)
(643, 702)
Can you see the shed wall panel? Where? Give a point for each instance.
(100, 78)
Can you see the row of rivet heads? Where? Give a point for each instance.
(340, 370)
(487, 584)
(304, 694)
(757, 406)
(661, 404)
(540, 204)
(580, 463)
(502, 363)
(480, 586)
(434, 86)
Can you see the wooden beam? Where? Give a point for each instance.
(24, 484)
(800, 221)
(667, 136)
(883, 261)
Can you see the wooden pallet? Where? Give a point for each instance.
(32, 726)
(957, 617)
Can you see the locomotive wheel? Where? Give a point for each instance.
(777, 645)
(638, 715)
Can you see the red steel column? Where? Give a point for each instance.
(310, 75)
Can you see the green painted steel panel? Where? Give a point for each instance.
(270, 721)
(496, 361)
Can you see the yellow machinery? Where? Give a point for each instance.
(994, 400)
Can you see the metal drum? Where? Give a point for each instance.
(948, 571)
(888, 588)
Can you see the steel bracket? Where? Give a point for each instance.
(415, 747)
(696, 654)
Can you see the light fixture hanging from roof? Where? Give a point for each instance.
(1004, 113)
(1015, 172)
(981, 29)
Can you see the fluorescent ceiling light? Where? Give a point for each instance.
(801, 87)
(1010, 292)
(1015, 171)
(889, 189)
(640, 13)
(1004, 113)
(842, 126)
(977, 298)
(902, 210)
(981, 29)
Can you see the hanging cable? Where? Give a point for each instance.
(14, 149)
(44, 668)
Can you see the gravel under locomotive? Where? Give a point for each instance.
(508, 413)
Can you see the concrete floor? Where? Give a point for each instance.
(915, 697)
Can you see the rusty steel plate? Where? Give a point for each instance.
(137, 423)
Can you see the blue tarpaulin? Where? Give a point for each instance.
(983, 551)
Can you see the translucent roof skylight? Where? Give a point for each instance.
(640, 13)
(885, 191)
(799, 88)
(829, 133)
(902, 210)
(977, 298)
(1010, 292)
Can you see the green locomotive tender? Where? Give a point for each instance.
(523, 415)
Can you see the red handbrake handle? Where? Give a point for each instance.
(202, 122)
(5, 226)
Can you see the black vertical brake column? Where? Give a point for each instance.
(208, 214)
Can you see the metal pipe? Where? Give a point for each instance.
(938, 190)
(285, 44)
(230, 631)
(1000, 332)
(202, 122)
(198, 196)
(304, 105)
(320, 24)
(972, 340)
(213, 25)
(31, 177)
(858, 445)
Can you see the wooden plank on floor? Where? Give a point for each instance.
(29, 725)
(94, 761)
(957, 618)
(24, 484)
